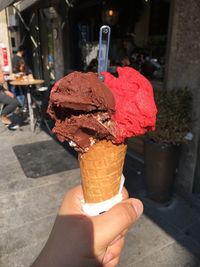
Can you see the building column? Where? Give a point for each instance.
(183, 70)
(4, 39)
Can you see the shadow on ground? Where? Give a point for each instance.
(180, 219)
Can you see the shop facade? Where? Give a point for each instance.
(62, 36)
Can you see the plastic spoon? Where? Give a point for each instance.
(104, 42)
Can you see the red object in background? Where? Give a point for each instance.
(5, 56)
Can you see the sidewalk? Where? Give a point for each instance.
(164, 236)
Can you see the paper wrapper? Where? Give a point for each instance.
(101, 171)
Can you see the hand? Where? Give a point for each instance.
(30, 77)
(10, 94)
(78, 240)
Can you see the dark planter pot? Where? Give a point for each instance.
(160, 163)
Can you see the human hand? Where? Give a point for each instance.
(30, 77)
(78, 240)
(10, 94)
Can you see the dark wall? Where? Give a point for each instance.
(159, 17)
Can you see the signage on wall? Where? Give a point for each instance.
(4, 58)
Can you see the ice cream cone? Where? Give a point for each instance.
(101, 170)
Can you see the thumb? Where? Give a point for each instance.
(111, 223)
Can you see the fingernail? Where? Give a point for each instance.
(138, 207)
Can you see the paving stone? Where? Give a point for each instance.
(57, 184)
(28, 183)
(23, 257)
(144, 238)
(193, 232)
(10, 220)
(180, 213)
(25, 235)
(8, 158)
(33, 203)
(9, 164)
(12, 173)
(181, 253)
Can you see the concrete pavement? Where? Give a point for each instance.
(164, 236)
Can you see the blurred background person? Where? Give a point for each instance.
(125, 61)
(19, 63)
(7, 100)
(21, 71)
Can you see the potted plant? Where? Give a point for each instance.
(162, 147)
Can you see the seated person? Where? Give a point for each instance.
(122, 60)
(19, 63)
(21, 68)
(8, 100)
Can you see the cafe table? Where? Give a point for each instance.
(27, 84)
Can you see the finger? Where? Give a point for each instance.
(111, 223)
(121, 235)
(76, 193)
(124, 193)
(112, 263)
(114, 251)
(72, 201)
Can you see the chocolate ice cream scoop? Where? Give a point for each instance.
(82, 107)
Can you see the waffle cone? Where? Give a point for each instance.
(101, 169)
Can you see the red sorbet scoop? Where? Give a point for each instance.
(135, 107)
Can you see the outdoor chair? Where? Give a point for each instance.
(40, 99)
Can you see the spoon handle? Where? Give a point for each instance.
(104, 42)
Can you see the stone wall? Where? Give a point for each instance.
(183, 70)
